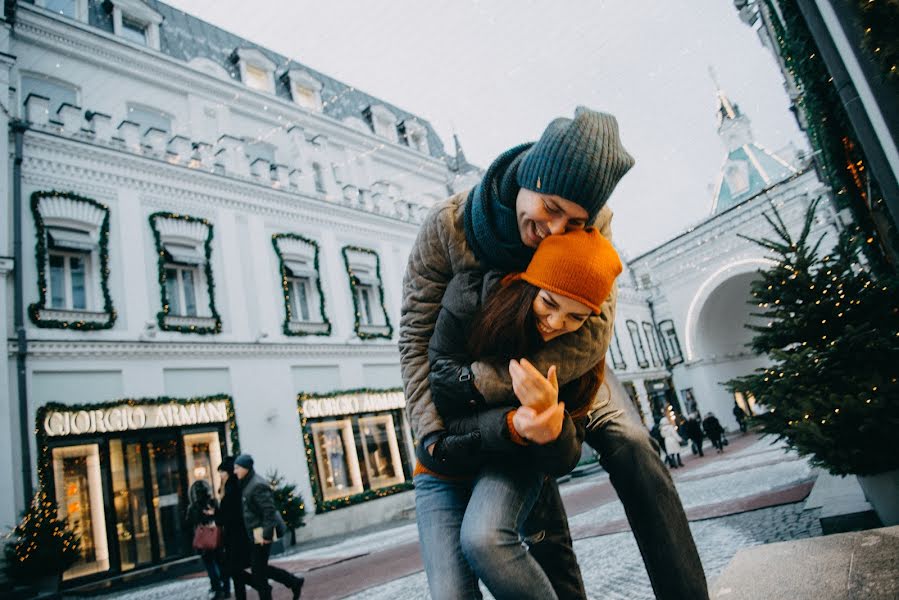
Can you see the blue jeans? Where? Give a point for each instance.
(470, 530)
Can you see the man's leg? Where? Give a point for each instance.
(547, 534)
(650, 500)
(259, 565)
(286, 578)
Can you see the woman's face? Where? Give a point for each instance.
(556, 314)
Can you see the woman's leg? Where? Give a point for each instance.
(491, 541)
(439, 509)
(212, 570)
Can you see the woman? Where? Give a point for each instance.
(229, 517)
(672, 443)
(714, 431)
(201, 513)
(475, 487)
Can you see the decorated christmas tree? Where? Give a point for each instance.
(41, 544)
(832, 336)
(289, 503)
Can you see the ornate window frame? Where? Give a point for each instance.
(68, 209)
(383, 122)
(367, 332)
(252, 57)
(137, 11)
(615, 353)
(670, 343)
(80, 10)
(294, 327)
(654, 352)
(211, 324)
(639, 351)
(305, 89)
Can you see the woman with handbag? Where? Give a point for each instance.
(208, 536)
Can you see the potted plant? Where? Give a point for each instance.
(42, 547)
(831, 330)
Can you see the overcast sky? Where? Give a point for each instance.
(497, 71)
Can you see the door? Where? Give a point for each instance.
(130, 503)
(164, 470)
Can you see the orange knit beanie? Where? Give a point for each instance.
(580, 264)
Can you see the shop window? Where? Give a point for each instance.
(381, 451)
(203, 455)
(670, 343)
(79, 494)
(690, 405)
(301, 283)
(363, 268)
(637, 344)
(130, 504)
(57, 91)
(184, 249)
(651, 339)
(336, 459)
(615, 352)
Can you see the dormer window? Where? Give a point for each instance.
(382, 121)
(73, 9)
(305, 89)
(136, 22)
(414, 135)
(256, 69)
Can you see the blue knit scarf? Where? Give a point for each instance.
(491, 226)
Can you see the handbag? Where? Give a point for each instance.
(207, 537)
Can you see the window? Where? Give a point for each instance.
(615, 352)
(363, 268)
(181, 288)
(134, 31)
(57, 91)
(257, 78)
(382, 121)
(256, 69)
(336, 459)
(304, 303)
(319, 178)
(68, 280)
(304, 89)
(380, 451)
(413, 134)
(670, 343)
(73, 9)
(653, 344)
(136, 22)
(147, 117)
(637, 344)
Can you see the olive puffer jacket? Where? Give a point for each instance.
(462, 407)
(441, 251)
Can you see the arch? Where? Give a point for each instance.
(708, 287)
(210, 67)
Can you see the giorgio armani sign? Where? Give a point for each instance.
(127, 417)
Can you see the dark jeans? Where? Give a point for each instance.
(653, 509)
(262, 572)
(218, 577)
(237, 559)
(716, 442)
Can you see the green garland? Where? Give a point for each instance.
(40, 252)
(45, 459)
(354, 282)
(322, 505)
(210, 285)
(879, 24)
(282, 268)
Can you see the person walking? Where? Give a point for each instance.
(672, 443)
(201, 513)
(740, 416)
(656, 435)
(532, 191)
(262, 521)
(714, 431)
(694, 433)
(236, 543)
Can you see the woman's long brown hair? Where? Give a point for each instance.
(505, 328)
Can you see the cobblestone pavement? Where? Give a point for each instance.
(611, 564)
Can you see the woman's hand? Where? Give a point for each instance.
(540, 428)
(533, 389)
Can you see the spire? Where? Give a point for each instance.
(460, 155)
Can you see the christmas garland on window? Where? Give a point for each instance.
(210, 284)
(285, 286)
(45, 459)
(354, 281)
(322, 505)
(40, 253)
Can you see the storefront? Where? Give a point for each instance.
(120, 473)
(662, 399)
(356, 446)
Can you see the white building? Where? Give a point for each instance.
(209, 236)
(683, 305)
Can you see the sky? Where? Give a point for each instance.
(496, 72)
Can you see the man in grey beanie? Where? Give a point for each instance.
(560, 183)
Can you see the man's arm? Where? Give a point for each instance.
(265, 502)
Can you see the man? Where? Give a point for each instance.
(559, 183)
(262, 521)
(694, 433)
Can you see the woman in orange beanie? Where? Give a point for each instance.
(477, 479)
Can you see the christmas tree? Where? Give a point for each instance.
(42, 544)
(832, 335)
(289, 503)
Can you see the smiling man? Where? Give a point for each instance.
(532, 191)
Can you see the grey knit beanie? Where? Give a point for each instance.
(579, 159)
(244, 460)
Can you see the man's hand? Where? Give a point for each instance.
(531, 388)
(540, 428)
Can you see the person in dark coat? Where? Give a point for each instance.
(201, 513)
(229, 517)
(656, 434)
(714, 431)
(694, 433)
(262, 521)
(740, 416)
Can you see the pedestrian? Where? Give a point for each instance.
(656, 435)
(201, 513)
(236, 543)
(672, 443)
(474, 493)
(740, 416)
(714, 431)
(532, 191)
(694, 433)
(262, 521)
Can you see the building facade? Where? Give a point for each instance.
(205, 254)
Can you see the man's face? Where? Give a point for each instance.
(240, 471)
(540, 215)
